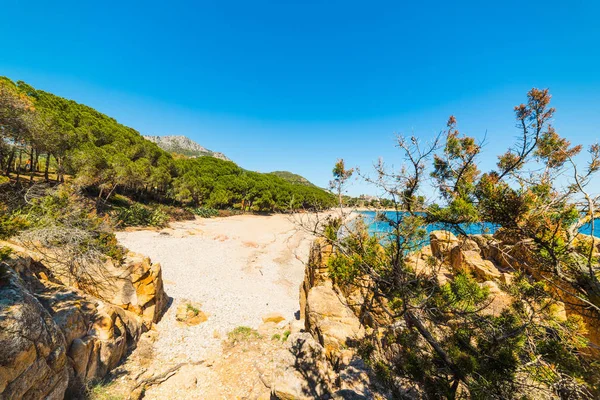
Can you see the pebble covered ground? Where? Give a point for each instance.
(238, 269)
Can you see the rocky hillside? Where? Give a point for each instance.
(183, 145)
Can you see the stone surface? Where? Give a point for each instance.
(55, 338)
(273, 317)
(316, 271)
(310, 376)
(190, 313)
(96, 334)
(442, 242)
(469, 261)
(137, 286)
(330, 319)
(33, 361)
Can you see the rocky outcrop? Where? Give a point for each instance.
(326, 365)
(441, 243)
(33, 353)
(55, 338)
(96, 334)
(330, 320)
(332, 330)
(323, 306)
(334, 318)
(470, 261)
(501, 254)
(136, 285)
(312, 375)
(316, 271)
(183, 145)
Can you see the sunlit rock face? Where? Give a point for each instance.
(55, 338)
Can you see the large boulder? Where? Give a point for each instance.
(470, 261)
(442, 242)
(309, 375)
(330, 319)
(33, 361)
(135, 285)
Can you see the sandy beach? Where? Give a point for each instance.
(238, 268)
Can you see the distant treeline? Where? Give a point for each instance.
(47, 137)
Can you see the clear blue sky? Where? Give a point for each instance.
(280, 85)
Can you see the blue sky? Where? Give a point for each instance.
(280, 85)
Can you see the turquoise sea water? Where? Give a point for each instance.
(379, 227)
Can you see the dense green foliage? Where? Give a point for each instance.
(292, 178)
(43, 132)
(222, 184)
(443, 334)
(139, 215)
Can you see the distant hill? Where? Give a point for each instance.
(183, 145)
(293, 178)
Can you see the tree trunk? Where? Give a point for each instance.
(11, 159)
(59, 172)
(47, 168)
(19, 166)
(37, 161)
(415, 321)
(31, 164)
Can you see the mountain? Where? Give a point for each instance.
(293, 178)
(183, 145)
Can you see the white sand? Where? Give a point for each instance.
(239, 268)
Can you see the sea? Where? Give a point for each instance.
(381, 227)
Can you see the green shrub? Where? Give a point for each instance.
(11, 223)
(177, 213)
(117, 200)
(205, 212)
(102, 391)
(139, 215)
(5, 253)
(243, 333)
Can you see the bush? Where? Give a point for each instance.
(11, 223)
(243, 333)
(5, 253)
(177, 213)
(139, 215)
(64, 227)
(204, 212)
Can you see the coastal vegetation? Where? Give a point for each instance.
(429, 313)
(47, 138)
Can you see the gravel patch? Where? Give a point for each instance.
(239, 268)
